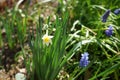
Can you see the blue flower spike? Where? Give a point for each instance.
(117, 11)
(105, 16)
(84, 59)
(109, 31)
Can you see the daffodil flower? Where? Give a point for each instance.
(47, 39)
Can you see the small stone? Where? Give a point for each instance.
(20, 76)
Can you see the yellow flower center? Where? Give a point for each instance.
(46, 39)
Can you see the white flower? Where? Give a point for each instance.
(47, 39)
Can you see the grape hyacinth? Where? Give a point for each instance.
(109, 31)
(117, 11)
(84, 59)
(105, 16)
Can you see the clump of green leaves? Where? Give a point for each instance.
(48, 60)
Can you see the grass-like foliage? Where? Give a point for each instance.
(48, 60)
